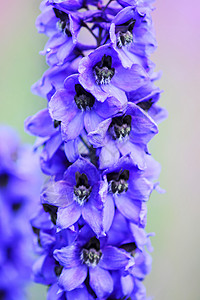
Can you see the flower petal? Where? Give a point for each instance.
(109, 155)
(127, 284)
(114, 258)
(108, 212)
(69, 215)
(70, 130)
(68, 256)
(41, 124)
(78, 294)
(130, 79)
(58, 193)
(129, 208)
(101, 282)
(72, 278)
(94, 218)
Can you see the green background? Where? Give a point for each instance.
(174, 216)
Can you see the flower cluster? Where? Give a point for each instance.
(101, 114)
(19, 190)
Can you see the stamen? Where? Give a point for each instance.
(84, 100)
(120, 127)
(91, 253)
(82, 190)
(103, 71)
(63, 23)
(118, 182)
(124, 33)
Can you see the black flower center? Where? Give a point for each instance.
(4, 178)
(129, 247)
(58, 269)
(82, 189)
(63, 23)
(52, 210)
(17, 206)
(118, 181)
(2, 294)
(91, 253)
(37, 232)
(124, 33)
(83, 99)
(103, 71)
(56, 123)
(120, 127)
(145, 105)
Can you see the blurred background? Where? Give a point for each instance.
(174, 216)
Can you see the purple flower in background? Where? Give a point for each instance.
(20, 181)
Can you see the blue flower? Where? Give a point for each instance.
(77, 194)
(102, 112)
(88, 253)
(123, 134)
(76, 108)
(20, 181)
(102, 74)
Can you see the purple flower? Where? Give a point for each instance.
(52, 159)
(77, 194)
(124, 134)
(101, 114)
(53, 80)
(93, 256)
(132, 37)
(67, 4)
(62, 28)
(102, 74)
(128, 188)
(20, 181)
(76, 108)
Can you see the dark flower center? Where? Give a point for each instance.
(145, 105)
(129, 247)
(103, 71)
(91, 253)
(58, 269)
(16, 206)
(2, 294)
(52, 210)
(63, 23)
(4, 178)
(56, 123)
(82, 189)
(118, 181)
(124, 33)
(83, 98)
(120, 127)
(37, 232)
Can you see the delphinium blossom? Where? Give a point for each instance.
(101, 114)
(20, 181)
